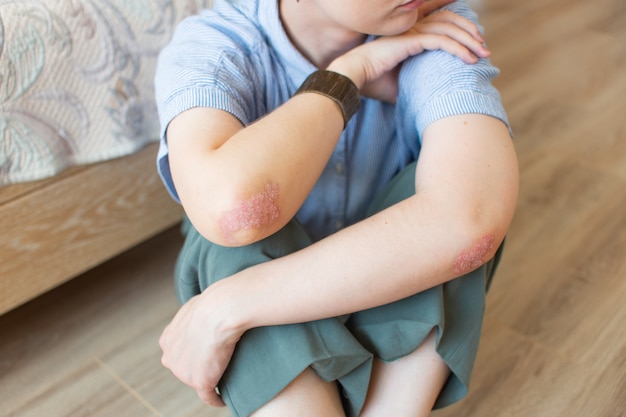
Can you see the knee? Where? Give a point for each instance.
(202, 262)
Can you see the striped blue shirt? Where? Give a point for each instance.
(237, 57)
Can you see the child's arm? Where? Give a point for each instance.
(467, 183)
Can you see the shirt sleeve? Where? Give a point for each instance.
(436, 84)
(205, 65)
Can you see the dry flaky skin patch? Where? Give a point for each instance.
(257, 211)
(474, 257)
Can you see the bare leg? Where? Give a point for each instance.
(409, 386)
(305, 396)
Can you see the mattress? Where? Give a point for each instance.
(76, 80)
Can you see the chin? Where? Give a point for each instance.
(398, 24)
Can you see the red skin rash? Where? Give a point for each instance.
(257, 211)
(474, 257)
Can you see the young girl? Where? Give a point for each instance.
(349, 176)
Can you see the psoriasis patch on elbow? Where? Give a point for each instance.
(475, 256)
(257, 211)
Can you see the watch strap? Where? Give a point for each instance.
(337, 87)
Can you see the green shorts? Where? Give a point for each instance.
(339, 349)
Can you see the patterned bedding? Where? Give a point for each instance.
(76, 80)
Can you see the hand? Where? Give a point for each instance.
(198, 345)
(374, 66)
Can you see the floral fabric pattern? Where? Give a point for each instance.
(76, 80)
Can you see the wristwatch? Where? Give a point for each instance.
(337, 87)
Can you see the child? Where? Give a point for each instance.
(347, 195)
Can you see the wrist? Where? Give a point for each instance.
(336, 87)
(343, 66)
(225, 309)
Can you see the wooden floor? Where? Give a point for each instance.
(554, 342)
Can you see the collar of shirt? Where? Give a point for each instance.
(296, 65)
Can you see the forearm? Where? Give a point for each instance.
(462, 209)
(399, 252)
(248, 182)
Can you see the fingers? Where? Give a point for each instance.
(461, 37)
(463, 23)
(210, 396)
(203, 385)
(207, 392)
(450, 26)
(185, 362)
(432, 42)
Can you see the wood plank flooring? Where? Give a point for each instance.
(97, 211)
(554, 339)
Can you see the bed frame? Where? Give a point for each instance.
(55, 229)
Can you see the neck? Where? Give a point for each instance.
(316, 36)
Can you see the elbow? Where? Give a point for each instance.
(237, 218)
(476, 249)
(481, 236)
